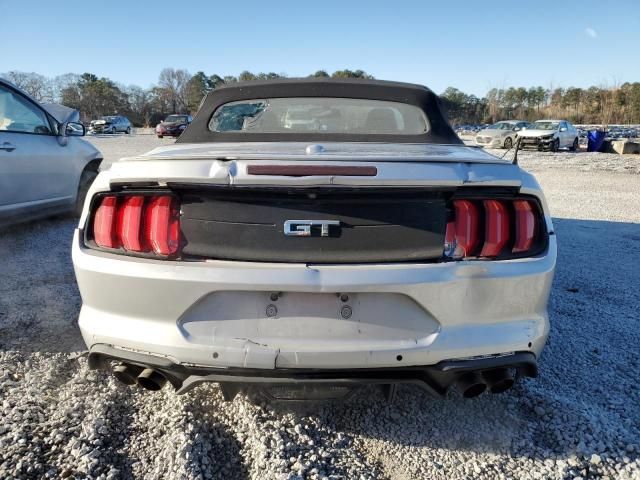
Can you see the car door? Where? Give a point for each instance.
(564, 135)
(35, 171)
(572, 134)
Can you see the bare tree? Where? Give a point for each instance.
(174, 83)
(36, 85)
(141, 104)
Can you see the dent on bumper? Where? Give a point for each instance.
(473, 308)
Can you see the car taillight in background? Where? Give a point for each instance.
(147, 224)
(491, 228)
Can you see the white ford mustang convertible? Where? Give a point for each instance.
(306, 237)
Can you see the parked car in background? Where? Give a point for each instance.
(111, 124)
(551, 135)
(468, 129)
(368, 246)
(173, 125)
(44, 167)
(501, 134)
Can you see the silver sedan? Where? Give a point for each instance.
(44, 167)
(501, 134)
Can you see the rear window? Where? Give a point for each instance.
(319, 115)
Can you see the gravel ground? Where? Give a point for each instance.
(579, 419)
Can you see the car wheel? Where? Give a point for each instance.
(128, 130)
(555, 145)
(114, 131)
(159, 136)
(508, 143)
(86, 179)
(574, 147)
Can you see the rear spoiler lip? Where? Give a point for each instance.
(317, 173)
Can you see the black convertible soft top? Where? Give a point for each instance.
(440, 131)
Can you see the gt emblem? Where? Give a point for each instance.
(309, 228)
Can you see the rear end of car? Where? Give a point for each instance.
(305, 270)
(484, 139)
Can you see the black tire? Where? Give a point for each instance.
(508, 143)
(159, 136)
(574, 147)
(86, 179)
(555, 145)
(128, 131)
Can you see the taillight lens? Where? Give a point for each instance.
(162, 225)
(496, 230)
(491, 228)
(138, 223)
(462, 230)
(104, 222)
(525, 225)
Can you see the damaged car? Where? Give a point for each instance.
(45, 168)
(550, 135)
(110, 124)
(367, 246)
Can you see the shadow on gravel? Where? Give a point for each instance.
(39, 298)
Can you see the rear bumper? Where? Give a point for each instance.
(213, 313)
(493, 143)
(435, 379)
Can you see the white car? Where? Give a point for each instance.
(551, 135)
(45, 168)
(378, 249)
(501, 134)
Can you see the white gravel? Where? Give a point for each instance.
(579, 419)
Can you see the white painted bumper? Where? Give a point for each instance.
(213, 313)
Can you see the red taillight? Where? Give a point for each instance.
(130, 223)
(466, 236)
(496, 230)
(525, 226)
(104, 223)
(466, 225)
(138, 223)
(162, 225)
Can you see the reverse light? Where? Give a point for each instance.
(137, 223)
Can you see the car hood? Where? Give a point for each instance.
(61, 113)
(171, 124)
(535, 133)
(328, 151)
(99, 122)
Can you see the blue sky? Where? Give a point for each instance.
(473, 45)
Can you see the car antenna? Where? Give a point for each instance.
(515, 154)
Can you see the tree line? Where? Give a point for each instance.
(593, 105)
(178, 91)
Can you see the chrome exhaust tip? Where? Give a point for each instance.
(499, 380)
(127, 374)
(152, 380)
(471, 385)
